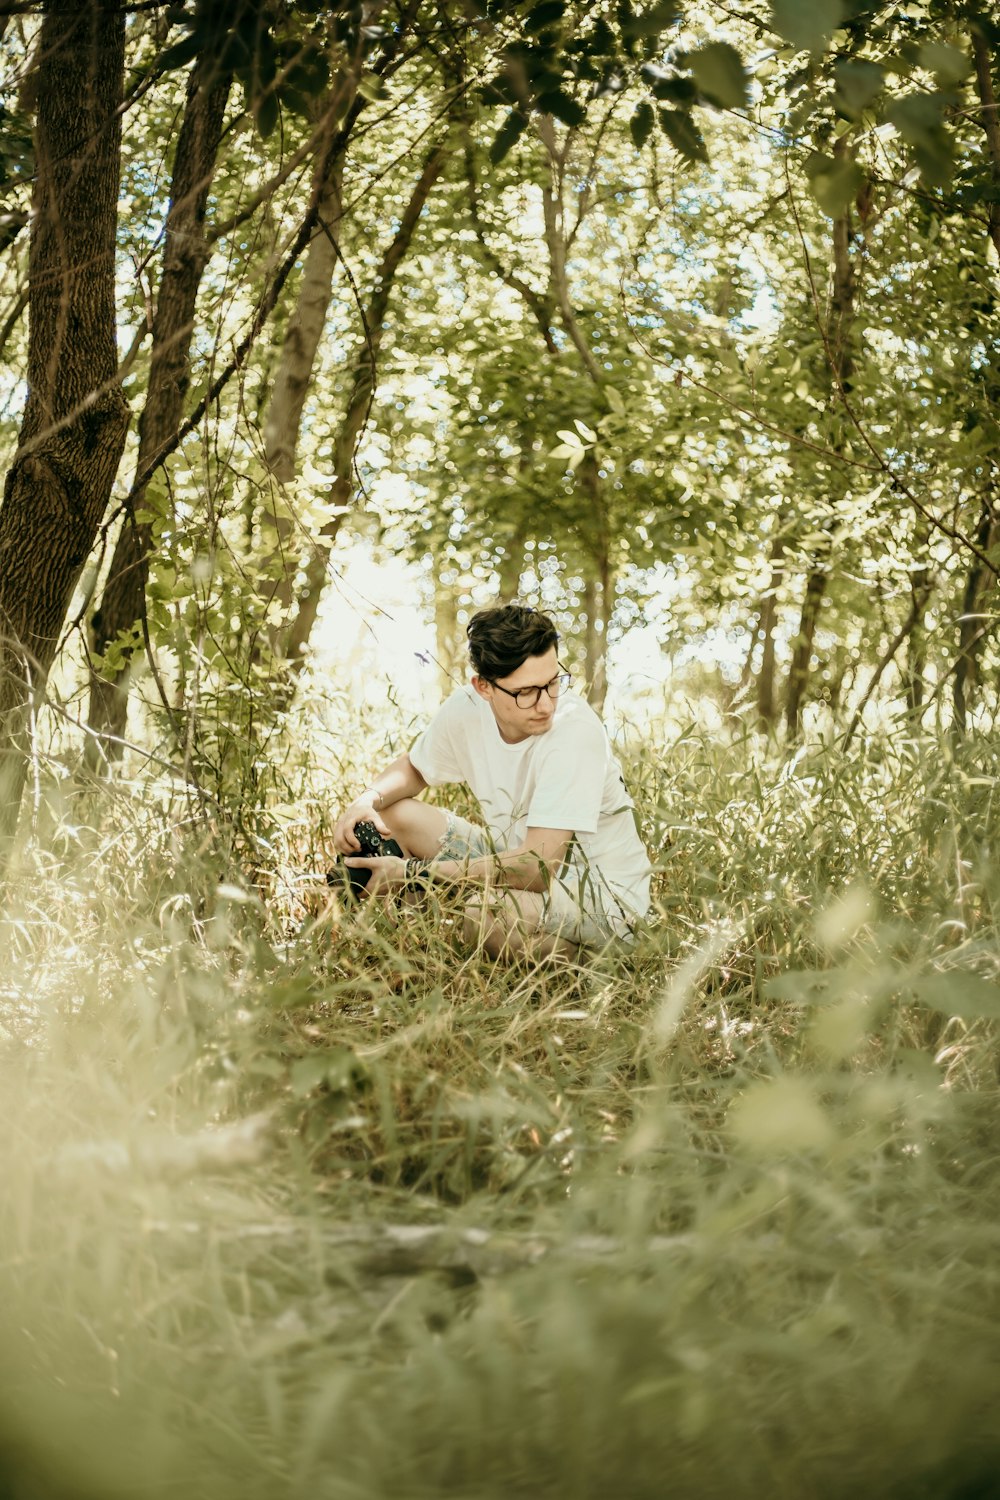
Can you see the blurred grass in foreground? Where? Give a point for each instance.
(299, 1205)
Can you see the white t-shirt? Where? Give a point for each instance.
(567, 777)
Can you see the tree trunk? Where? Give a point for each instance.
(363, 377)
(553, 211)
(305, 327)
(798, 672)
(921, 586)
(990, 121)
(838, 350)
(449, 638)
(185, 253)
(76, 416)
(283, 420)
(591, 638)
(512, 566)
(972, 626)
(767, 707)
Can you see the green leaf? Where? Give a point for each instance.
(780, 1116)
(807, 24)
(719, 73)
(959, 994)
(805, 986)
(563, 106)
(669, 85)
(340, 1069)
(180, 53)
(371, 87)
(266, 113)
(918, 118)
(310, 73)
(641, 123)
(508, 135)
(545, 14)
(683, 134)
(948, 64)
(637, 24)
(857, 85)
(834, 183)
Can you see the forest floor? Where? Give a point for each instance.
(298, 1203)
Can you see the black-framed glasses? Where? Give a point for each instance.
(527, 697)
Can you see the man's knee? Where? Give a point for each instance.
(511, 924)
(417, 826)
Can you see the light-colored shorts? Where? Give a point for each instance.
(572, 909)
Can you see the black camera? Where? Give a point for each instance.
(351, 878)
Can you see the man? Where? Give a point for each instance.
(560, 864)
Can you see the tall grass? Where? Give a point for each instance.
(303, 1203)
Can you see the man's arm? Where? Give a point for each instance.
(530, 867)
(401, 779)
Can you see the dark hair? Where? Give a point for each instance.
(503, 637)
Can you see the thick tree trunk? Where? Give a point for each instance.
(76, 416)
(185, 253)
(363, 375)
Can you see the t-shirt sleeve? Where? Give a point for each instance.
(570, 785)
(435, 752)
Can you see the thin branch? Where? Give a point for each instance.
(684, 375)
(535, 301)
(953, 533)
(917, 605)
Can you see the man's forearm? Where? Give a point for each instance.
(401, 779)
(518, 869)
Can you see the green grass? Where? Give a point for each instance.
(301, 1205)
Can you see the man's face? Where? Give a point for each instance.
(515, 723)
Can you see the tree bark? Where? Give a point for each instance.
(971, 625)
(599, 583)
(766, 698)
(185, 254)
(798, 672)
(76, 416)
(283, 418)
(449, 638)
(512, 563)
(363, 376)
(554, 211)
(990, 121)
(305, 327)
(838, 350)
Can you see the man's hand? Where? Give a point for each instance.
(388, 873)
(361, 810)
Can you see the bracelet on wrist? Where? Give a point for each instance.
(416, 874)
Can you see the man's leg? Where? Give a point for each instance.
(417, 826)
(512, 924)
